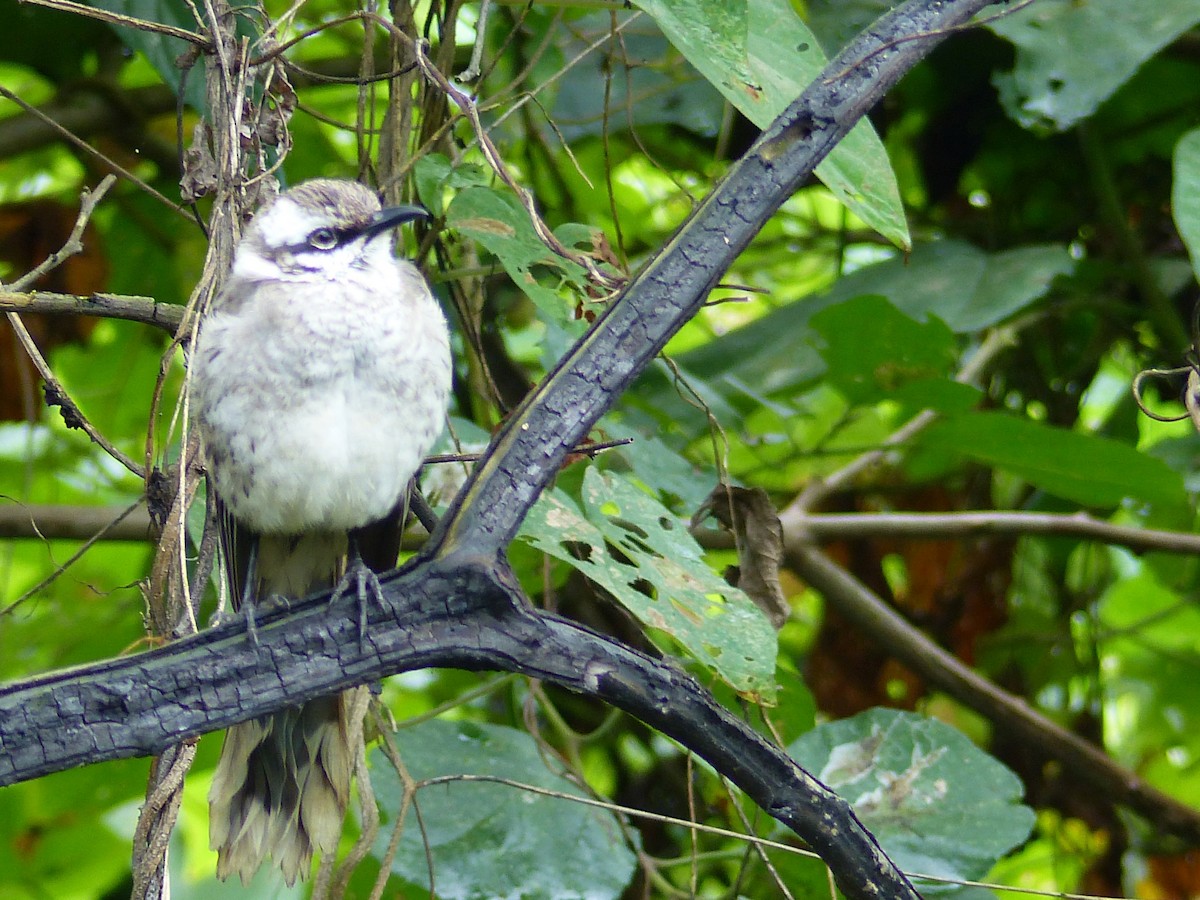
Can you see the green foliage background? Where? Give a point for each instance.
(1027, 193)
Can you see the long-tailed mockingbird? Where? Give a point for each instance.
(319, 382)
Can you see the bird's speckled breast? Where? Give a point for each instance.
(317, 403)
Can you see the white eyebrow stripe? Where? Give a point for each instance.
(285, 223)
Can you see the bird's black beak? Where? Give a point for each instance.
(393, 216)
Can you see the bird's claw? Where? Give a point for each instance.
(366, 587)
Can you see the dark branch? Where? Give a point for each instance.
(465, 615)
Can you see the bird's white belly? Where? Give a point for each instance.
(337, 462)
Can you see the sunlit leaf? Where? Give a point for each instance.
(641, 553)
(761, 56)
(499, 223)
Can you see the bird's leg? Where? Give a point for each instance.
(243, 604)
(365, 581)
(248, 593)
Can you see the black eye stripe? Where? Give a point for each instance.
(340, 236)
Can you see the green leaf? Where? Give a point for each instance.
(836, 22)
(761, 56)
(161, 50)
(1060, 78)
(937, 803)
(434, 173)
(677, 481)
(491, 840)
(964, 286)
(872, 349)
(642, 554)
(1010, 281)
(657, 89)
(1185, 194)
(53, 842)
(499, 222)
(1084, 468)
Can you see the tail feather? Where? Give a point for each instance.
(281, 788)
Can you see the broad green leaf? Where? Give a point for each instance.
(676, 480)
(1185, 194)
(964, 286)
(433, 174)
(761, 56)
(872, 349)
(53, 842)
(1083, 468)
(937, 803)
(1062, 75)
(162, 50)
(654, 89)
(491, 840)
(642, 554)
(499, 222)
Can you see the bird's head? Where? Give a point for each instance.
(320, 229)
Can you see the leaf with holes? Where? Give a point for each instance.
(1059, 77)
(937, 803)
(636, 549)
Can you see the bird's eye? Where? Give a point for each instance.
(323, 239)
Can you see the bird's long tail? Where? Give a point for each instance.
(282, 783)
(281, 787)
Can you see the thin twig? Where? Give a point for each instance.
(589, 450)
(83, 145)
(471, 72)
(98, 536)
(112, 18)
(130, 308)
(758, 848)
(717, 831)
(467, 105)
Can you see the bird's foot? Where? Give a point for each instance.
(366, 587)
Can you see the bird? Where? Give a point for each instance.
(318, 382)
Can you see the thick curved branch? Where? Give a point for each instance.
(467, 615)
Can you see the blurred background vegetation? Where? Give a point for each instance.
(973, 287)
